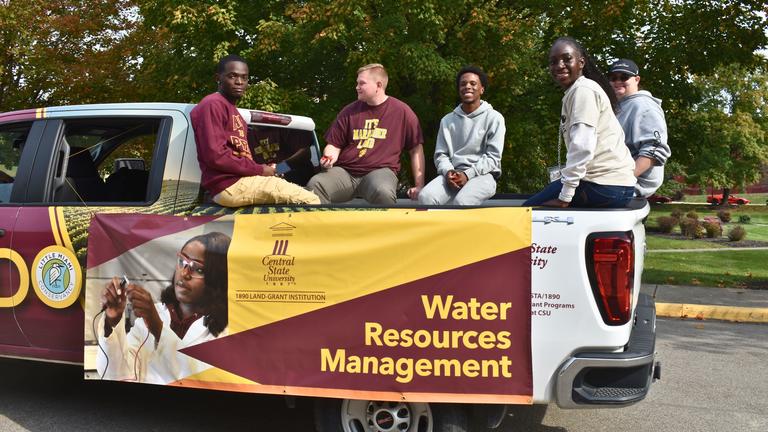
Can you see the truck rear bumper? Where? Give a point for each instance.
(605, 380)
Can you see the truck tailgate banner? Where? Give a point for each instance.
(424, 305)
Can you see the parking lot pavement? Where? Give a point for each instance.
(695, 302)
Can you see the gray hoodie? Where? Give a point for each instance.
(645, 133)
(471, 143)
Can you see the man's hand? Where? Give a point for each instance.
(330, 156)
(461, 179)
(269, 170)
(456, 179)
(327, 161)
(413, 193)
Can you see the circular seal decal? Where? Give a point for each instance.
(57, 277)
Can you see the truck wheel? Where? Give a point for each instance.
(337, 415)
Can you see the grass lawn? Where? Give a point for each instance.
(745, 269)
(657, 242)
(732, 268)
(757, 227)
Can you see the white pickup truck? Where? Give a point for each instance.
(365, 344)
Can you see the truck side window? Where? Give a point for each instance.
(12, 138)
(109, 159)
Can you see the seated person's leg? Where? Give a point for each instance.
(477, 190)
(436, 192)
(379, 187)
(333, 185)
(264, 190)
(550, 192)
(595, 195)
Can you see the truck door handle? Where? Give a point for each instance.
(2, 232)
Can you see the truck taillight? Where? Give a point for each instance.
(611, 269)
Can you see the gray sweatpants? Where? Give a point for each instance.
(474, 192)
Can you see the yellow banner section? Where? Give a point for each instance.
(285, 264)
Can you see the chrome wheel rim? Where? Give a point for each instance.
(376, 416)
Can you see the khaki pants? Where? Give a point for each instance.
(264, 190)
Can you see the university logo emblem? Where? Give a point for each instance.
(279, 265)
(57, 277)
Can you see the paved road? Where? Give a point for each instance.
(715, 377)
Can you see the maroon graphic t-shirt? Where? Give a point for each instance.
(372, 137)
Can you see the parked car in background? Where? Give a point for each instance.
(658, 199)
(732, 199)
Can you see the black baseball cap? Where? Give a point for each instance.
(625, 66)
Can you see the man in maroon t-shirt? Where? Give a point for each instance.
(362, 155)
(229, 172)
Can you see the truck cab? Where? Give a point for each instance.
(62, 165)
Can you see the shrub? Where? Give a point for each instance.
(700, 232)
(666, 224)
(692, 214)
(689, 227)
(745, 219)
(724, 215)
(737, 233)
(677, 214)
(713, 228)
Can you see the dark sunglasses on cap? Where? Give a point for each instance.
(619, 77)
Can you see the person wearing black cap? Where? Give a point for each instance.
(645, 129)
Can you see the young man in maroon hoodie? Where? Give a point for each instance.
(229, 172)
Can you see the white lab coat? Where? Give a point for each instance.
(159, 362)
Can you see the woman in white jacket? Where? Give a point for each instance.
(598, 169)
(192, 310)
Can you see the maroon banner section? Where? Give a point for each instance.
(127, 231)
(466, 330)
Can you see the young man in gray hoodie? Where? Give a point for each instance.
(469, 146)
(645, 129)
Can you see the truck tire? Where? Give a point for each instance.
(347, 415)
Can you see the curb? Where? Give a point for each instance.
(704, 312)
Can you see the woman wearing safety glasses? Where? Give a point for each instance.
(192, 310)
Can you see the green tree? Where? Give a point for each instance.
(304, 54)
(724, 139)
(303, 58)
(65, 51)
